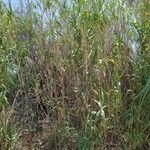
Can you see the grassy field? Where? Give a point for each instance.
(75, 75)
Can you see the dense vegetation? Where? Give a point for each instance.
(75, 75)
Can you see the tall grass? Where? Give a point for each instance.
(75, 75)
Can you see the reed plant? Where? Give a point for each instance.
(75, 75)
